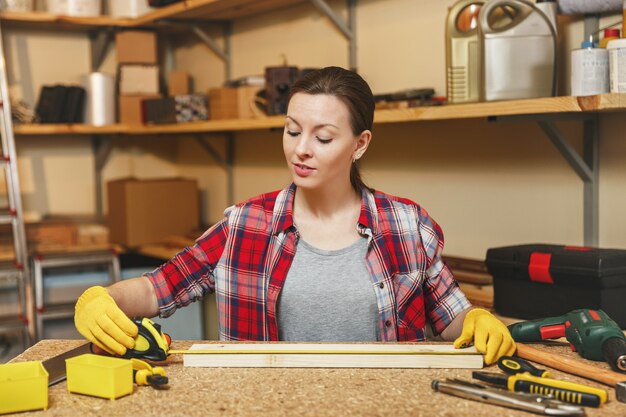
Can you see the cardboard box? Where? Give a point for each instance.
(130, 109)
(234, 103)
(136, 47)
(178, 109)
(138, 80)
(51, 233)
(147, 211)
(178, 83)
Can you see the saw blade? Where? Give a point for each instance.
(56, 365)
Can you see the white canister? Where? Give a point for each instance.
(128, 8)
(617, 65)
(100, 99)
(17, 5)
(589, 71)
(75, 7)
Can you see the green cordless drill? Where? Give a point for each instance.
(591, 333)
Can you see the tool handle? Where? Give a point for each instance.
(514, 365)
(569, 365)
(565, 395)
(570, 392)
(538, 330)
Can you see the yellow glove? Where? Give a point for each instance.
(101, 321)
(490, 335)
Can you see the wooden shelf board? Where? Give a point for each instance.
(214, 9)
(68, 129)
(42, 20)
(549, 105)
(228, 125)
(186, 10)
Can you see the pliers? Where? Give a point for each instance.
(534, 403)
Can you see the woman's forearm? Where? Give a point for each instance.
(135, 297)
(454, 329)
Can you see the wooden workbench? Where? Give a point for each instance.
(288, 392)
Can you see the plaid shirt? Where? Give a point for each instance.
(245, 257)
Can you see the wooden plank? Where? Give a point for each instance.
(472, 271)
(214, 10)
(43, 20)
(599, 103)
(67, 129)
(546, 105)
(332, 355)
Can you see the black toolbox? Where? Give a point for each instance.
(538, 280)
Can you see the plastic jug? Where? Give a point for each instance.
(518, 49)
(462, 52)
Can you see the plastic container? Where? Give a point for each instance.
(74, 7)
(129, 8)
(589, 70)
(518, 49)
(609, 35)
(17, 5)
(99, 376)
(23, 386)
(462, 52)
(617, 65)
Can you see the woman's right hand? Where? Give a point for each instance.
(101, 321)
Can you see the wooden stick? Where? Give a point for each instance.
(327, 355)
(569, 365)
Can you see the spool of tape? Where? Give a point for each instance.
(100, 102)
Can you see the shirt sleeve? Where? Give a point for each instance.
(443, 298)
(188, 276)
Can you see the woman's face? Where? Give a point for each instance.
(318, 141)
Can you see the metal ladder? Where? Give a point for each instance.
(14, 275)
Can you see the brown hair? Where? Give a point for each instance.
(353, 91)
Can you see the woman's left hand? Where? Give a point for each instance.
(490, 336)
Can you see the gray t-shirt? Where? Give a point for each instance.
(328, 296)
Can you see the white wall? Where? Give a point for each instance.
(487, 184)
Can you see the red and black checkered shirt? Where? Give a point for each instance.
(245, 258)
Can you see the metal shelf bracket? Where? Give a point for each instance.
(585, 166)
(100, 42)
(227, 161)
(222, 53)
(347, 29)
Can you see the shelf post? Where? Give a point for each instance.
(591, 155)
(101, 149)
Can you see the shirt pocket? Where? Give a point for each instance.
(411, 316)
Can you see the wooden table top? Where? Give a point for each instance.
(290, 391)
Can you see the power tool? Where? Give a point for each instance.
(591, 333)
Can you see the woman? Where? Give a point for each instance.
(325, 259)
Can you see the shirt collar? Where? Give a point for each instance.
(283, 211)
(369, 215)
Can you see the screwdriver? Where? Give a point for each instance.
(561, 390)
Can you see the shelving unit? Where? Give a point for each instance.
(192, 13)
